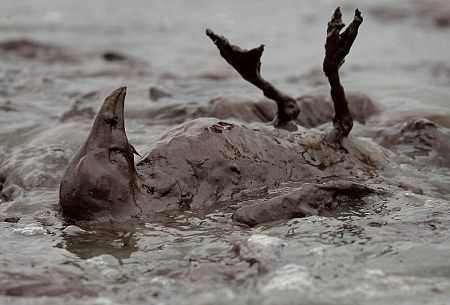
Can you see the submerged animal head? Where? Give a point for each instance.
(100, 181)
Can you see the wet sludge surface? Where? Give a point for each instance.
(56, 68)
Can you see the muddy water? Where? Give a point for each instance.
(391, 251)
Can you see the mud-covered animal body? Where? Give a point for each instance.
(210, 163)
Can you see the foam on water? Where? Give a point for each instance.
(393, 251)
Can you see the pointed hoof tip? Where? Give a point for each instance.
(358, 14)
(211, 34)
(120, 90)
(337, 12)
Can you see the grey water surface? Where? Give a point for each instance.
(394, 251)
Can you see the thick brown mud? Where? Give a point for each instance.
(387, 245)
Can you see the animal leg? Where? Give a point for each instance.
(248, 64)
(337, 47)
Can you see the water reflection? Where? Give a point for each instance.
(119, 242)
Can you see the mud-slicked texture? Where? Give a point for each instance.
(390, 250)
(307, 200)
(337, 47)
(35, 50)
(101, 179)
(421, 139)
(208, 162)
(316, 110)
(248, 64)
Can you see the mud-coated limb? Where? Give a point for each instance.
(248, 64)
(338, 46)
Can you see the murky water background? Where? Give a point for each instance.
(390, 252)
